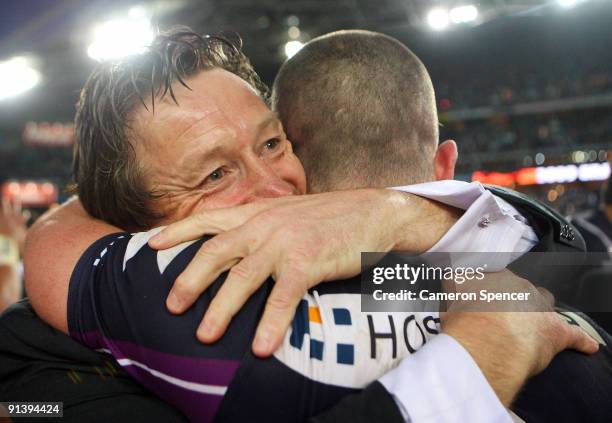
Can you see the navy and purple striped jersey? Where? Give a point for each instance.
(117, 305)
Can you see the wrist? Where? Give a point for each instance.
(419, 223)
(505, 367)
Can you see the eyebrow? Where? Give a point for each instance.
(272, 117)
(218, 145)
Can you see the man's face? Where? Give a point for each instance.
(220, 147)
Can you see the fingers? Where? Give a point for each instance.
(17, 207)
(10, 208)
(195, 226)
(579, 340)
(278, 313)
(211, 222)
(243, 280)
(216, 255)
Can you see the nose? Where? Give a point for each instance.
(264, 182)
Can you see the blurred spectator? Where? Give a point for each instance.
(503, 87)
(566, 130)
(12, 239)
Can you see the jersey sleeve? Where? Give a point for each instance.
(116, 304)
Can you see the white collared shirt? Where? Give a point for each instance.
(451, 387)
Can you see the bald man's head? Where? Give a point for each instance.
(360, 109)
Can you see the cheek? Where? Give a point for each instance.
(292, 171)
(177, 207)
(234, 196)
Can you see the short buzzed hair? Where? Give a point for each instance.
(360, 108)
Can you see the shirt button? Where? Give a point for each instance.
(484, 222)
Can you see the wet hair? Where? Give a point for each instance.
(107, 175)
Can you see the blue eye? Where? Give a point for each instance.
(215, 175)
(272, 144)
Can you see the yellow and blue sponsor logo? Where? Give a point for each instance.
(301, 326)
(333, 342)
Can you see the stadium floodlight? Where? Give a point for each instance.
(463, 14)
(567, 3)
(17, 76)
(121, 37)
(292, 47)
(294, 32)
(438, 19)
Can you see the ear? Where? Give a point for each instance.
(445, 160)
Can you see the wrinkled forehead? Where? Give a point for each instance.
(215, 98)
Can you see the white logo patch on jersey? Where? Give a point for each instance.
(164, 257)
(333, 342)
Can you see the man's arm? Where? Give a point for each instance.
(111, 229)
(290, 237)
(116, 304)
(362, 220)
(48, 285)
(53, 247)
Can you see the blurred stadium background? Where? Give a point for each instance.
(524, 87)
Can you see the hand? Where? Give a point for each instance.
(511, 346)
(13, 222)
(299, 241)
(10, 287)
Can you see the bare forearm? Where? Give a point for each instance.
(505, 370)
(53, 247)
(511, 346)
(420, 222)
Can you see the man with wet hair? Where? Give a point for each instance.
(211, 143)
